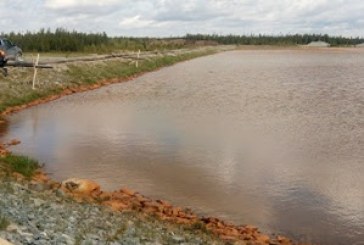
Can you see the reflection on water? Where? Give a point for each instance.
(271, 138)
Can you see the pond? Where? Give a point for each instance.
(272, 138)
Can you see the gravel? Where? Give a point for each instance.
(40, 216)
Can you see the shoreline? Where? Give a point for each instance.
(84, 191)
(125, 199)
(88, 86)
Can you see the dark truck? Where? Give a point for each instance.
(3, 63)
(12, 52)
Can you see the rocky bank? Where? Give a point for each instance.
(39, 215)
(42, 211)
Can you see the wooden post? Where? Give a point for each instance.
(35, 71)
(137, 61)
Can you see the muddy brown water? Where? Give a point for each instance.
(272, 138)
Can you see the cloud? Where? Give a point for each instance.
(136, 22)
(172, 17)
(62, 4)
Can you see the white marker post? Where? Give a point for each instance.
(35, 71)
(137, 61)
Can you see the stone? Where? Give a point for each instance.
(231, 232)
(12, 228)
(4, 152)
(116, 205)
(264, 239)
(38, 202)
(81, 186)
(141, 198)
(14, 142)
(128, 191)
(175, 211)
(17, 176)
(119, 196)
(178, 239)
(105, 196)
(54, 185)
(251, 228)
(164, 203)
(38, 186)
(41, 177)
(283, 240)
(60, 193)
(219, 225)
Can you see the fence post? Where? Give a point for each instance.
(137, 61)
(35, 70)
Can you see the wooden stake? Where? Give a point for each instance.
(35, 71)
(137, 61)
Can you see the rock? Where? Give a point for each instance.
(178, 239)
(175, 211)
(12, 228)
(60, 193)
(40, 177)
(68, 239)
(54, 185)
(231, 232)
(116, 205)
(263, 239)
(164, 203)
(119, 196)
(3, 151)
(17, 176)
(251, 228)
(14, 142)
(38, 186)
(105, 196)
(140, 198)
(81, 186)
(128, 191)
(283, 240)
(38, 202)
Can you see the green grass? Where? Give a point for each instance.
(122, 69)
(26, 97)
(21, 164)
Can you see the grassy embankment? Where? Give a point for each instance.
(16, 89)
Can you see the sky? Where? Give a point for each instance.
(165, 18)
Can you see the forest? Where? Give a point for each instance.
(62, 40)
(296, 39)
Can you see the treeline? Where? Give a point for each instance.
(62, 40)
(297, 39)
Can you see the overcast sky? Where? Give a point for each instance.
(178, 17)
